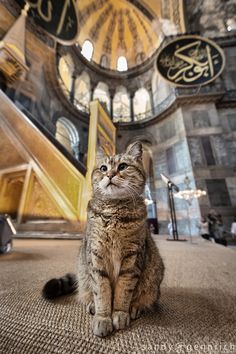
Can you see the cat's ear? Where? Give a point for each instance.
(100, 155)
(135, 150)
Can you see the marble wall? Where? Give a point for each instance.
(210, 17)
(197, 140)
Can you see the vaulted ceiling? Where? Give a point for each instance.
(127, 28)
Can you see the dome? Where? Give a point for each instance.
(118, 28)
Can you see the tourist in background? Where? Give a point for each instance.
(203, 228)
(233, 228)
(219, 231)
(212, 219)
(219, 227)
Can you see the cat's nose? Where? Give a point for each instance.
(110, 174)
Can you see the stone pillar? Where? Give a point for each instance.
(72, 89)
(111, 107)
(91, 93)
(131, 106)
(151, 100)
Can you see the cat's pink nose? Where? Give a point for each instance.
(110, 174)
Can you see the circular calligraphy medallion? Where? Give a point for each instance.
(190, 61)
(57, 17)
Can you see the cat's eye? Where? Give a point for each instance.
(103, 168)
(122, 166)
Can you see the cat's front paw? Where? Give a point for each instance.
(135, 312)
(120, 319)
(102, 326)
(91, 308)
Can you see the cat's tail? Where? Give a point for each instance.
(60, 286)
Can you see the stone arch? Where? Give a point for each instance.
(121, 105)
(67, 134)
(82, 91)
(104, 61)
(66, 69)
(142, 104)
(101, 93)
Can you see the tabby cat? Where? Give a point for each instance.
(120, 269)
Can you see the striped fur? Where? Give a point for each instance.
(120, 269)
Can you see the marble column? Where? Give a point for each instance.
(151, 100)
(111, 106)
(131, 106)
(92, 93)
(72, 89)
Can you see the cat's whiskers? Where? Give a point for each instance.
(132, 188)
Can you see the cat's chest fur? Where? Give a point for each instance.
(114, 235)
(112, 242)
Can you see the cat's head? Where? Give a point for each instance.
(120, 176)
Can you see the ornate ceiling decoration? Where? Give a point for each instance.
(123, 28)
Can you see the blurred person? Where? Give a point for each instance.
(204, 228)
(233, 228)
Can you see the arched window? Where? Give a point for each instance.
(82, 91)
(67, 135)
(122, 64)
(66, 68)
(87, 50)
(104, 62)
(142, 104)
(101, 93)
(121, 105)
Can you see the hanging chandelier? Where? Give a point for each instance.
(189, 194)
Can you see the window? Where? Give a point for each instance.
(218, 192)
(121, 105)
(208, 152)
(122, 64)
(171, 163)
(104, 61)
(65, 68)
(142, 104)
(67, 135)
(87, 50)
(200, 119)
(82, 91)
(102, 94)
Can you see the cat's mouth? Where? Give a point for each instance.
(111, 184)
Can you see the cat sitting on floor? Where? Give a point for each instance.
(120, 269)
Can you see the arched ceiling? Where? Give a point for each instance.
(120, 28)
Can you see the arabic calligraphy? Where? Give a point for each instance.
(190, 61)
(38, 6)
(57, 17)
